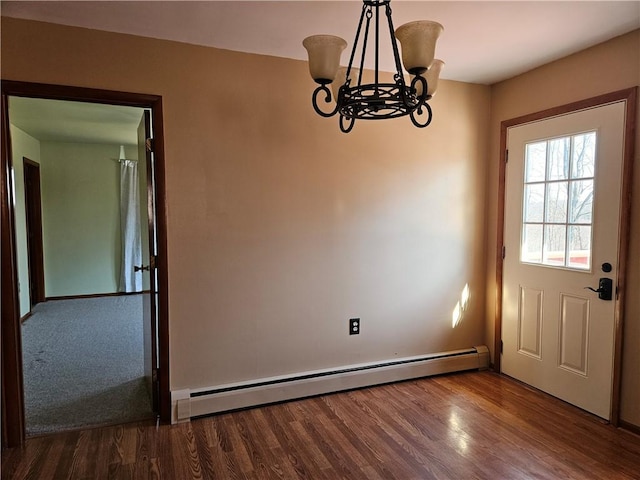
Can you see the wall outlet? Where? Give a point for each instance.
(354, 326)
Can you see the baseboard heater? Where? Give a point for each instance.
(206, 401)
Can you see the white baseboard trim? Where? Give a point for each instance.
(205, 401)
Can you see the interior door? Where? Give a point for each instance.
(149, 256)
(33, 211)
(562, 224)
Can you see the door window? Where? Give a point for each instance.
(558, 201)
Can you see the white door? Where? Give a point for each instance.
(562, 211)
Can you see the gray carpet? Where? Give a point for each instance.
(83, 364)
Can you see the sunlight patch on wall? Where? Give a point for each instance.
(461, 307)
(464, 297)
(456, 316)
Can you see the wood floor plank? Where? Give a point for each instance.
(33, 454)
(342, 464)
(49, 460)
(296, 457)
(302, 437)
(269, 438)
(84, 455)
(372, 452)
(226, 466)
(406, 449)
(472, 425)
(280, 463)
(211, 458)
(262, 458)
(420, 449)
(185, 452)
(548, 439)
(165, 459)
(353, 412)
(241, 457)
(332, 429)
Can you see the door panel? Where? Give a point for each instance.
(530, 322)
(574, 333)
(562, 214)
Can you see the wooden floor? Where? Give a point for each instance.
(475, 425)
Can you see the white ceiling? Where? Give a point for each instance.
(483, 42)
(75, 122)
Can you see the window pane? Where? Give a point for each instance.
(584, 155)
(534, 202)
(556, 206)
(559, 158)
(535, 161)
(531, 251)
(554, 244)
(581, 203)
(580, 247)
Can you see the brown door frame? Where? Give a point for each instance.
(33, 211)
(13, 429)
(630, 96)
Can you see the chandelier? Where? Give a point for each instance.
(375, 101)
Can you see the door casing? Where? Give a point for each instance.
(630, 96)
(13, 422)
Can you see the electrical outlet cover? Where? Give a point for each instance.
(354, 326)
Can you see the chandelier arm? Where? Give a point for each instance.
(327, 99)
(349, 126)
(417, 112)
(377, 51)
(423, 97)
(364, 44)
(355, 41)
(394, 43)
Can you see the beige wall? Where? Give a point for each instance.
(280, 228)
(80, 215)
(81, 218)
(608, 67)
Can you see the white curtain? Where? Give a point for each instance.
(130, 280)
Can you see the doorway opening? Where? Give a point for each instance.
(84, 212)
(78, 272)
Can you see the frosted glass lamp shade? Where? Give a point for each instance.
(432, 76)
(341, 78)
(418, 41)
(324, 56)
(338, 81)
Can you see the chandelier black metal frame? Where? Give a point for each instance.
(377, 101)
